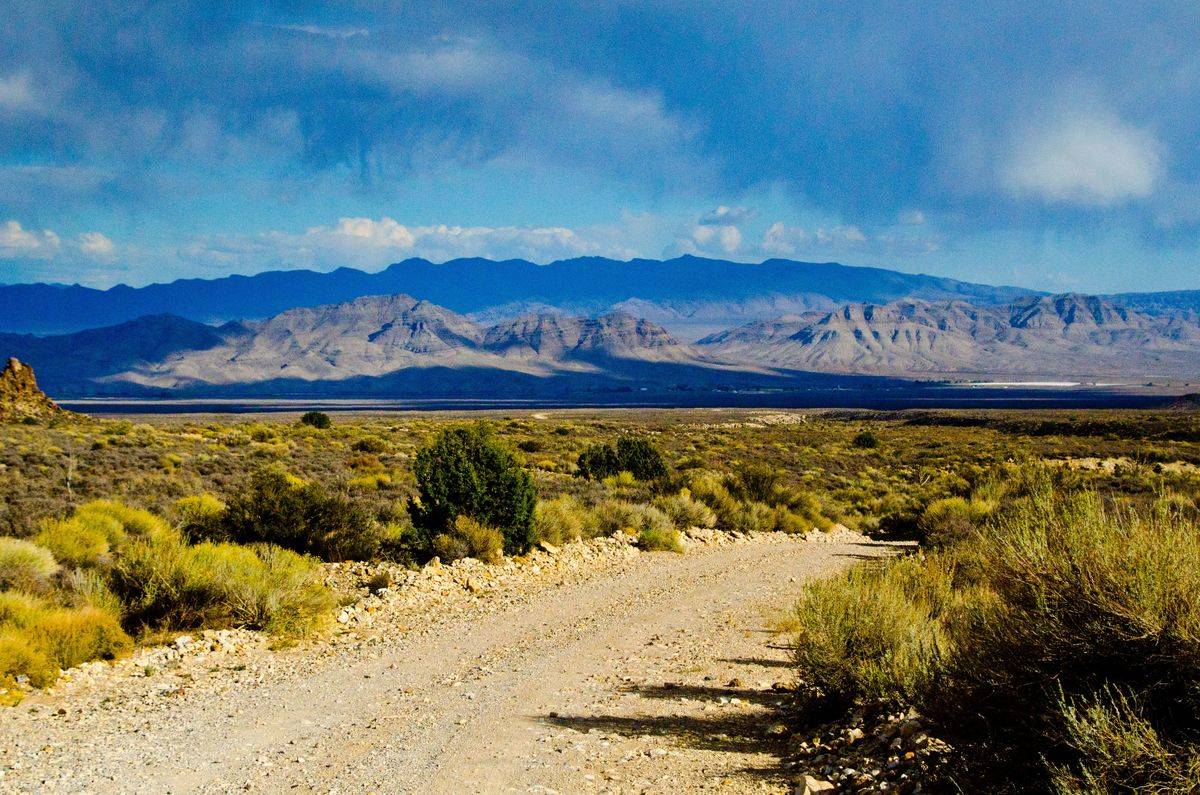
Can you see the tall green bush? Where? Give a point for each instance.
(468, 472)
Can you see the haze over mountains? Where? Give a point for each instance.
(582, 326)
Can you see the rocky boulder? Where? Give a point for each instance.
(20, 397)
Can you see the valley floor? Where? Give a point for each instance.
(651, 673)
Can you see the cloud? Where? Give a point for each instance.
(1093, 159)
(326, 31)
(727, 215)
(18, 242)
(911, 218)
(369, 242)
(97, 246)
(783, 240)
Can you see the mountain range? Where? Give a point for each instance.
(399, 345)
(689, 295)
(1062, 335)
(579, 326)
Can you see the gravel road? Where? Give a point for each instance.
(653, 673)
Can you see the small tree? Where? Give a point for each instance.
(640, 458)
(468, 472)
(598, 462)
(317, 419)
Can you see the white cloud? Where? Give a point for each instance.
(783, 240)
(369, 242)
(325, 31)
(1083, 158)
(911, 218)
(708, 240)
(727, 215)
(16, 241)
(96, 246)
(16, 93)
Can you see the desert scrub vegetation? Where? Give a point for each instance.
(84, 586)
(1058, 646)
(468, 472)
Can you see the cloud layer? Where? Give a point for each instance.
(185, 133)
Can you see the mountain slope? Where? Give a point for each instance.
(368, 345)
(1041, 335)
(715, 292)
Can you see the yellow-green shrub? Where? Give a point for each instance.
(563, 519)
(468, 538)
(685, 510)
(876, 630)
(25, 566)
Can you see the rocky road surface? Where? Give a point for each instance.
(601, 670)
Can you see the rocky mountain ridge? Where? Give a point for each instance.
(1039, 335)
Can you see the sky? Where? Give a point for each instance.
(1053, 146)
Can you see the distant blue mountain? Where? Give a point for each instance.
(586, 284)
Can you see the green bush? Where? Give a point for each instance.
(866, 440)
(637, 456)
(315, 419)
(277, 509)
(660, 537)
(632, 454)
(756, 482)
(25, 566)
(468, 472)
(467, 538)
(38, 638)
(370, 444)
(598, 462)
(1063, 651)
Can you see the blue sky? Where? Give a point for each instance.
(1053, 148)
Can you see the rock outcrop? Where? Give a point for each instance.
(20, 397)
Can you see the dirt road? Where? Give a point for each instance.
(654, 675)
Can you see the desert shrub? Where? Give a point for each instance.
(640, 458)
(1066, 653)
(304, 517)
(866, 440)
(370, 444)
(1119, 751)
(87, 538)
(598, 461)
(1089, 599)
(468, 472)
(201, 517)
(468, 538)
(686, 511)
(563, 519)
(315, 419)
(25, 566)
(710, 489)
(632, 454)
(529, 446)
(950, 520)
(660, 537)
(37, 637)
(171, 585)
(876, 631)
(753, 517)
(755, 481)
(370, 482)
